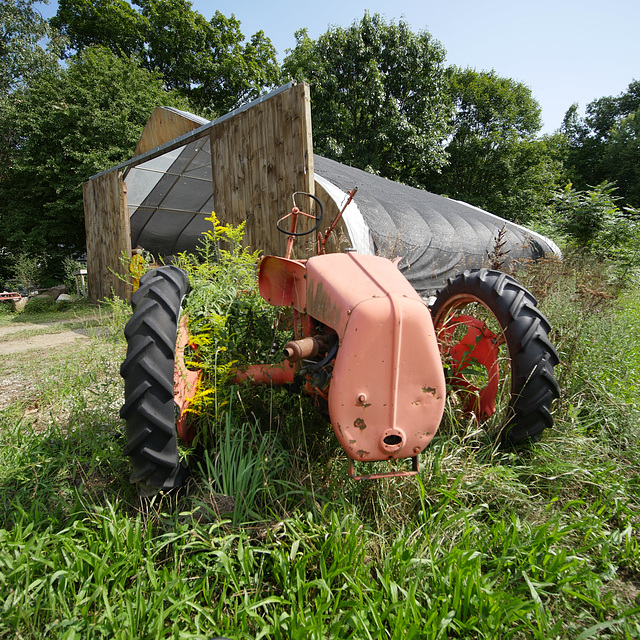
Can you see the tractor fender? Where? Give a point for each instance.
(387, 392)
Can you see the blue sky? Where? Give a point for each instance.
(565, 50)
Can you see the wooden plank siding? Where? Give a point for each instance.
(163, 126)
(108, 236)
(260, 157)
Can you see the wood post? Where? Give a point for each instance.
(108, 236)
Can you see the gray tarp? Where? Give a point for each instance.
(436, 237)
(170, 196)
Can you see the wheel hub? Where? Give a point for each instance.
(478, 347)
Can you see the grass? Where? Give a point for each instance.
(273, 540)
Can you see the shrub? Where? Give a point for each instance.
(40, 305)
(230, 323)
(591, 223)
(27, 270)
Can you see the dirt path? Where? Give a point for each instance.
(47, 341)
(19, 342)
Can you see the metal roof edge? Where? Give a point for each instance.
(185, 138)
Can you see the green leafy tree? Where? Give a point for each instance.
(28, 48)
(592, 222)
(496, 162)
(208, 61)
(71, 124)
(114, 24)
(605, 144)
(622, 157)
(22, 30)
(583, 216)
(22, 56)
(379, 97)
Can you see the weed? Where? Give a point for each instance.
(40, 305)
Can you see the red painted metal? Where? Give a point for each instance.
(185, 384)
(387, 389)
(294, 214)
(282, 282)
(478, 346)
(365, 343)
(12, 296)
(291, 239)
(269, 374)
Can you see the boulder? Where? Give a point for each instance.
(56, 291)
(19, 305)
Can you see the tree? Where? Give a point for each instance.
(27, 49)
(592, 222)
(605, 144)
(207, 61)
(621, 159)
(71, 124)
(496, 162)
(114, 24)
(583, 216)
(22, 29)
(378, 93)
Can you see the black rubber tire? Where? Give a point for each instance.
(148, 371)
(526, 330)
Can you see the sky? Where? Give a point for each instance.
(565, 51)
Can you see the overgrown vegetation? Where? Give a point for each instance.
(273, 540)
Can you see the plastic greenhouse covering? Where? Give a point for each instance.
(170, 196)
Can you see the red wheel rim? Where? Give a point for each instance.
(478, 346)
(185, 385)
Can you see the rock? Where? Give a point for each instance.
(19, 305)
(57, 291)
(65, 297)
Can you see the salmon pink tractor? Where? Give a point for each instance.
(366, 347)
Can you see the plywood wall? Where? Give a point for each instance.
(163, 125)
(259, 158)
(108, 236)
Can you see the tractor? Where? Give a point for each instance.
(376, 358)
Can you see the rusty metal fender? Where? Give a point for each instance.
(282, 282)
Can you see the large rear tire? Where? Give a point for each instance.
(148, 372)
(498, 313)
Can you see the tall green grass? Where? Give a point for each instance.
(272, 540)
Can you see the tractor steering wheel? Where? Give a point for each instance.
(297, 212)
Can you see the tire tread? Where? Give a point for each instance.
(534, 387)
(148, 370)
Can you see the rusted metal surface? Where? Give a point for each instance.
(282, 282)
(296, 213)
(269, 374)
(388, 356)
(387, 359)
(382, 375)
(306, 348)
(185, 384)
